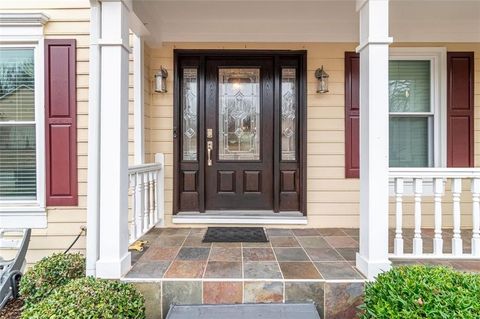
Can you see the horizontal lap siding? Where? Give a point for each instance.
(67, 21)
(332, 200)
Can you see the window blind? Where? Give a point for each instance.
(409, 92)
(17, 124)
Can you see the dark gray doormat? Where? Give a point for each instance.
(244, 311)
(235, 234)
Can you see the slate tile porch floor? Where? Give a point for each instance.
(315, 265)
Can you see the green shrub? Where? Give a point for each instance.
(422, 292)
(90, 298)
(49, 274)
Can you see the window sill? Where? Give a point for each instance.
(23, 217)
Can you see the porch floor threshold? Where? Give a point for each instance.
(240, 217)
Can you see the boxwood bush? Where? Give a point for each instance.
(49, 274)
(422, 292)
(90, 298)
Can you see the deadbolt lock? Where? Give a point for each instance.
(209, 133)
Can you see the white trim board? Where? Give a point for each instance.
(196, 218)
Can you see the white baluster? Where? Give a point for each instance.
(417, 238)
(152, 198)
(132, 190)
(139, 222)
(476, 217)
(438, 190)
(457, 239)
(155, 185)
(398, 242)
(146, 196)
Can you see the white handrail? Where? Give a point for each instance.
(436, 177)
(146, 189)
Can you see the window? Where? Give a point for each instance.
(417, 126)
(18, 180)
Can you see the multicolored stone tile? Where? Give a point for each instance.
(225, 254)
(262, 292)
(323, 254)
(305, 232)
(151, 291)
(284, 241)
(291, 254)
(168, 241)
(160, 253)
(257, 245)
(152, 269)
(331, 232)
(279, 232)
(337, 270)
(195, 241)
(193, 253)
(349, 254)
(258, 254)
(218, 292)
(180, 293)
(186, 269)
(175, 231)
(313, 242)
(227, 245)
(299, 270)
(261, 270)
(223, 269)
(341, 241)
(300, 292)
(342, 300)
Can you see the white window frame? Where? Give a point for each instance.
(26, 31)
(438, 96)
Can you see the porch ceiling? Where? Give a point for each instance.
(303, 21)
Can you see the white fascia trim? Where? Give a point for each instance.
(23, 19)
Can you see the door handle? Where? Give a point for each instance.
(209, 153)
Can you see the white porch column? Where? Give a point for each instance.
(114, 258)
(374, 41)
(138, 87)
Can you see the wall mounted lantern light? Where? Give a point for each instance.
(322, 78)
(161, 80)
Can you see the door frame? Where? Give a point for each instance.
(202, 54)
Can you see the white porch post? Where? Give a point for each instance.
(114, 258)
(374, 41)
(138, 87)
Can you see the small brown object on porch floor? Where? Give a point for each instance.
(138, 245)
(12, 310)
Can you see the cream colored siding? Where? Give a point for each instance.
(68, 20)
(332, 200)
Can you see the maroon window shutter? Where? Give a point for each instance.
(460, 116)
(60, 122)
(352, 115)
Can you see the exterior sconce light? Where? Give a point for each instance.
(322, 78)
(161, 81)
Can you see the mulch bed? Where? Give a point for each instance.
(12, 309)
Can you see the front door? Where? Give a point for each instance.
(239, 134)
(239, 138)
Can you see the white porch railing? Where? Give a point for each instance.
(147, 197)
(443, 185)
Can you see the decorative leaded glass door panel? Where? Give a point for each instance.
(239, 109)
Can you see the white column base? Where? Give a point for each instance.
(438, 246)
(417, 246)
(372, 268)
(476, 247)
(114, 269)
(457, 246)
(398, 246)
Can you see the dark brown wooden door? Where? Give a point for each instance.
(239, 139)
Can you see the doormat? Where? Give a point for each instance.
(235, 234)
